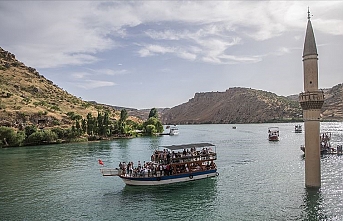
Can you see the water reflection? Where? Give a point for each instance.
(155, 142)
(207, 186)
(313, 205)
(172, 201)
(123, 143)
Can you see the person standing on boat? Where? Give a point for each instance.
(161, 169)
(124, 167)
(139, 165)
(130, 168)
(168, 158)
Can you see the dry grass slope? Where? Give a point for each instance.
(28, 97)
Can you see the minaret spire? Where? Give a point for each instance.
(310, 47)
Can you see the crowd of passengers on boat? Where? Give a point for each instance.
(165, 163)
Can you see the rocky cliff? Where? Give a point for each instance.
(332, 109)
(245, 105)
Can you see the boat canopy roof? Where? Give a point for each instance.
(186, 146)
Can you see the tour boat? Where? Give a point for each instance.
(273, 133)
(298, 129)
(173, 130)
(173, 164)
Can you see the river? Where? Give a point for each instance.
(258, 179)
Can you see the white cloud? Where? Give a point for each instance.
(91, 84)
(186, 55)
(109, 72)
(79, 75)
(283, 50)
(150, 50)
(231, 59)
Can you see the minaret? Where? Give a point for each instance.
(311, 101)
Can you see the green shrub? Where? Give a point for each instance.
(10, 138)
(30, 129)
(55, 107)
(41, 137)
(56, 122)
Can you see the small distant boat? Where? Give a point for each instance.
(173, 130)
(298, 128)
(273, 134)
(325, 145)
(173, 164)
(234, 127)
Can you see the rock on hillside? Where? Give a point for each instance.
(235, 105)
(332, 109)
(26, 97)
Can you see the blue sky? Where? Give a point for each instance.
(144, 54)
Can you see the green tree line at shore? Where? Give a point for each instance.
(88, 129)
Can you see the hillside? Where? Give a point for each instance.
(235, 105)
(26, 97)
(244, 105)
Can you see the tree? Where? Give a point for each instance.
(153, 113)
(122, 121)
(30, 129)
(123, 115)
(91, 124)
(157, 126)
(100, 128)
(151, 129)
(59, 132)
(78, 127)
(10, 138)
(107, 124)
(84, 125)
(41, 137)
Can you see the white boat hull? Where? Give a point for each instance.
(152, 181)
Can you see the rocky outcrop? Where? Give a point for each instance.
(332, 109)
(245, 105)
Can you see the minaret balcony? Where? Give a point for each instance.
(311, 100)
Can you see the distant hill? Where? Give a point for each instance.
(245, 105)
(235, 105)
(26, 97)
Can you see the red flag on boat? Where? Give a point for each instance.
(100, 162)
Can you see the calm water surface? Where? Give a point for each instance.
(259, 180)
